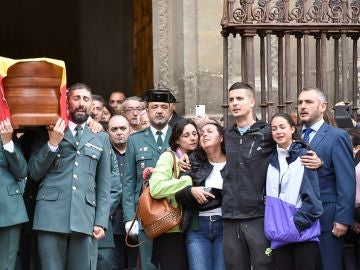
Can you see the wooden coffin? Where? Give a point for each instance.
(32, 91)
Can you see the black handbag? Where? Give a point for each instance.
(212, 203)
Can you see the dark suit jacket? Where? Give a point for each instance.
(141, 152)
(118, 217)
(74, 193)
(174, 118)
(336, 176)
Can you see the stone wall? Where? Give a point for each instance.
(188, 55)
(188, 52)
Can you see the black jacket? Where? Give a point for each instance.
(174, 119)
(200, 170)
(247, 157)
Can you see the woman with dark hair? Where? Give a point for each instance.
(202, 219)
(108, 111)
(293, 205)
(169, 251)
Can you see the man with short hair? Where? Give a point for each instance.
(174, 116)
(249, 145)
(116, 99)
(119, 131)
(131, 108)
(336, 175)
(143, 150)
(73, 201)
(97, 107)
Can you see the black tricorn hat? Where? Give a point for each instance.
(159, 95)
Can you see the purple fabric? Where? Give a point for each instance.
(279, 224)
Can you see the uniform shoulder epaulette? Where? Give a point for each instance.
(138, 132)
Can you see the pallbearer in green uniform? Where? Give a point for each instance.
(13, 168)
(142, 151)
(73, 202)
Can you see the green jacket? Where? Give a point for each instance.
(74, 193)
(141, 152)
(163, 183)
(115, 199)
(13, 167)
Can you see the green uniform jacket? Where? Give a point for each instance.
(74, 193)
(13, 167)
(141, 152)
(115, 199)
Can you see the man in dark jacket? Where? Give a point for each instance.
(249, 145)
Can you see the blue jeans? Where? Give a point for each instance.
(205, 245)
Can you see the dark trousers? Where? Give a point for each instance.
(245, 245)
(28, 256)
(169, 252)
(352, 251)
(124, 256)
(59, 251)
(331, 250)
(296, 256)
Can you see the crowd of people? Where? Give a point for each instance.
(255, 195)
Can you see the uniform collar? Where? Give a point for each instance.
(164, 130)
(72, 126)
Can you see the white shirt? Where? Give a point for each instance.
(315, 127)
(9, 147)
(164, 130)
(214, 180)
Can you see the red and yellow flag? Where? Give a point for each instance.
(6, 63)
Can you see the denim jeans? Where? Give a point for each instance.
(205, 245)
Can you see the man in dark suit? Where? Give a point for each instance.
(143, 150)
(73, 201)
(174, 116)
(336, 175)
(124, 256)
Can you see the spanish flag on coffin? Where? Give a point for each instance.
(6, 63)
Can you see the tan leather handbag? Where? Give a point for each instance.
(157, 216)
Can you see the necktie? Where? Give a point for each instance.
(79, 133)
(159, 139)
(306, 133)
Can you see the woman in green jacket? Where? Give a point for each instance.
(169, 249)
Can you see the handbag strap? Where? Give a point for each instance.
(174, 164)
(127, 233)
(145, 184)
